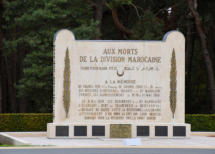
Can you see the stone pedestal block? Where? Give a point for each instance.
(163, 130)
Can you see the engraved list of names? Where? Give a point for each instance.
(117, 85)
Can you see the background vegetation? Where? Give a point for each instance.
(27, 28)
(38, 122)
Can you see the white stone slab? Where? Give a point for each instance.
(118, 82)
(132, 142)
(195, 141)
(99, 95)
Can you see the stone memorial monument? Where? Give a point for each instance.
(119, 89)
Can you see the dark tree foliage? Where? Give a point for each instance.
(28, 27)
(28, 32)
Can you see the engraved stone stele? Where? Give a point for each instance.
(119, 89)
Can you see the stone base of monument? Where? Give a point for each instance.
(119, 89)
(161, 130)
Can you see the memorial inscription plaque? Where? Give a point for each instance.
(101, 84)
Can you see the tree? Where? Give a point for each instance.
(205, 52)
(26, 70)
(29, 47)
(1, 59)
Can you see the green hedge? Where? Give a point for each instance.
(38, 121)
(24, 121)
(201, 122)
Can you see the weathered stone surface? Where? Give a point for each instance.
(118, 82)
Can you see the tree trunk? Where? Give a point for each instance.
(187, 63)
(22, 105)
(116, 21)
(211, 41)
(1, 59)
(1, 85)
(206, 56)
(197, 84)
(173, 19)
(189, 72)
(22, 101)
(11, 94)
(14, 81)
(188, 44)
(166, 22)
(98, 5)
